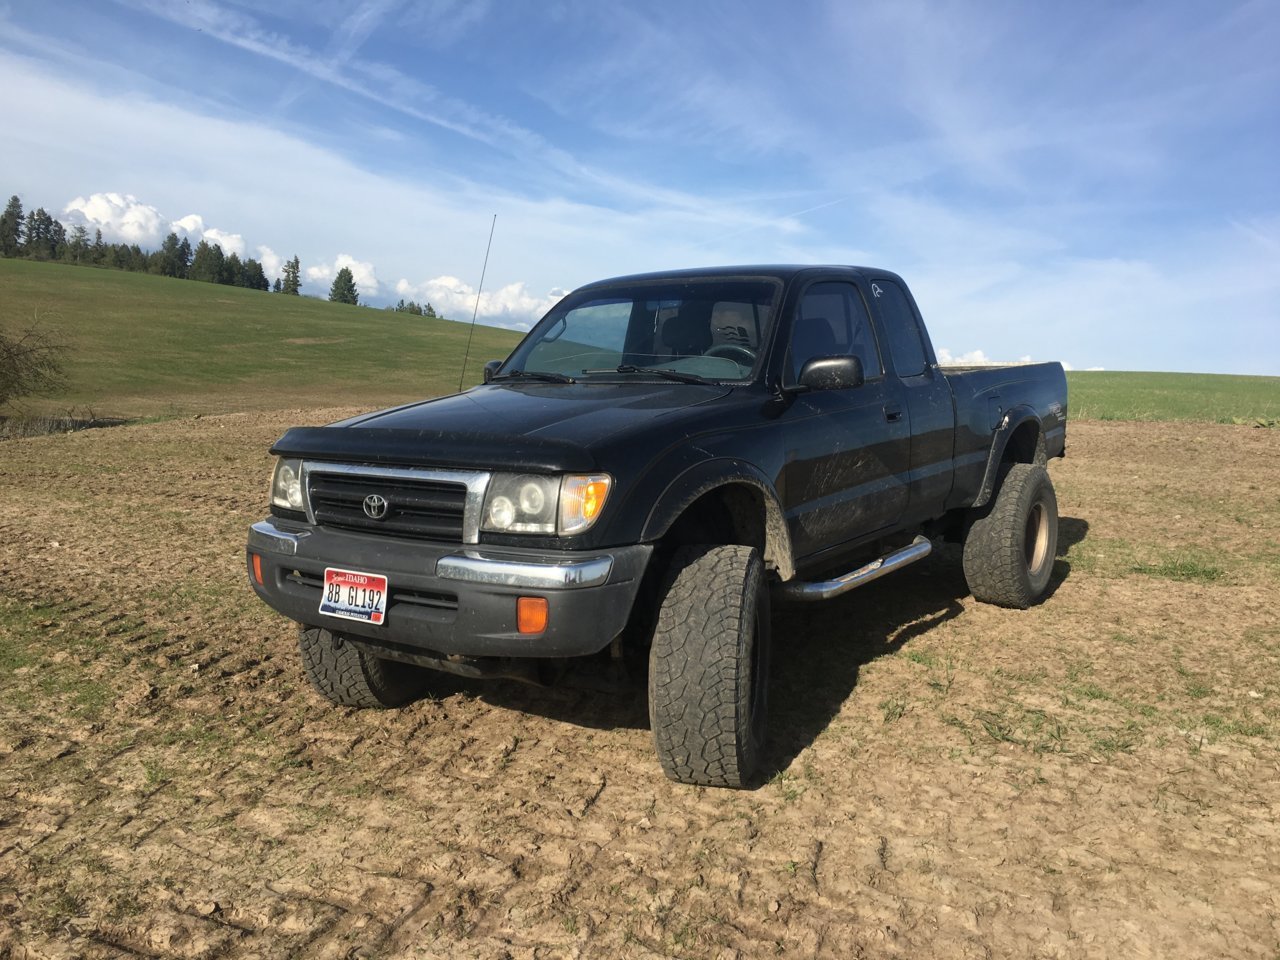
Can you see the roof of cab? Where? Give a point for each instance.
(770, 271)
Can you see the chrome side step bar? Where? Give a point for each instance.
(919, 548)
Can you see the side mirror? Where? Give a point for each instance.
(832, 373)
(490, 369)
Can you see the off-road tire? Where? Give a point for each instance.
(1010, 547)
(346, 675)
(709, 667)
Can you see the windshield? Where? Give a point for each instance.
(686, 330)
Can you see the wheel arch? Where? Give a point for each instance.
(724, 501)
(1018, 439)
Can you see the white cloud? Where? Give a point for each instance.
(362, 271)
(512, 305)
(272, 262)
(122, 218)
(975, 358)
(229, 242)
(192, 225)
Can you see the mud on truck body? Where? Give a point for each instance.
(658, 456)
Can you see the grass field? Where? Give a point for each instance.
(151, 346)
(1107, 395)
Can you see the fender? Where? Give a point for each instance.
(710, 475)
(1013, 418)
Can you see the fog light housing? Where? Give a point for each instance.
(532, 614)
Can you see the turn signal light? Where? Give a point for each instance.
(257, 569)
(582, 499)
(532, 614)
(593, 495)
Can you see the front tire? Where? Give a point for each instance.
(1009, 549)
(347, 676)
(709, 667)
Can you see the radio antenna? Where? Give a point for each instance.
(463, 372)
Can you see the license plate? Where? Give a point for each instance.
(354, 595)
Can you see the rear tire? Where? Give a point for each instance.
(346, 675)
(709, 667)
(1009, 549)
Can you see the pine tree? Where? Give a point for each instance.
(78, 246)
(253, 277)
(184, 258)
(429, 311)
(275, 287)
(344, 288)
(232, 272)
(11, 222)
(169, 258)
(39, 228)
(292, 276)
(206, 264)
(98, 253)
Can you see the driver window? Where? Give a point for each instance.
(831, 321)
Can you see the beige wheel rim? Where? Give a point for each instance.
(1036, 543)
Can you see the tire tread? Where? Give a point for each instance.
(347, 676)
(994, 561)
(699, 679)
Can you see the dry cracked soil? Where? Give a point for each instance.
(1095, 777)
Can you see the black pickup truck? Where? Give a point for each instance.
(659, 455)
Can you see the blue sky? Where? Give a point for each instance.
(1090, 182)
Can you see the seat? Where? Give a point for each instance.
(688, 333)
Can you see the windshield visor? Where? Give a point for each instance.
(712, 329)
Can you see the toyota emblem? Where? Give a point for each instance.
(375, 506)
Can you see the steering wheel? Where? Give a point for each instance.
(744, 356)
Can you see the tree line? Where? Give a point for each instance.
(39, 235)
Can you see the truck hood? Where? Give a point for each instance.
(541, 427)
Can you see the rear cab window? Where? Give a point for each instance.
(901, 329)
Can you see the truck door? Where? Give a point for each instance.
(928, 400)
(847, 451)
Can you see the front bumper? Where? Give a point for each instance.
(449, 599)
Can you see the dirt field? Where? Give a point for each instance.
(1098, 777)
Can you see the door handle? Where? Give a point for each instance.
(892, 413)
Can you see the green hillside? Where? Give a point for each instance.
(1108, 395)
(143, 345)
(153, 346)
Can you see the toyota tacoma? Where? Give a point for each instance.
(659, 455)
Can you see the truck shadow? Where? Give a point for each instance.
(818, 651)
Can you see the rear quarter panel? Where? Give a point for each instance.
(983, 398)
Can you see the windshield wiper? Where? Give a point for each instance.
(534, 375)
(656, 371)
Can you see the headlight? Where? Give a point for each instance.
(286, 485)
(526, 503)
(521, 503)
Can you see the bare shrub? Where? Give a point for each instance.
(30, 364)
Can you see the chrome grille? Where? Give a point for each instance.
(420, 504)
